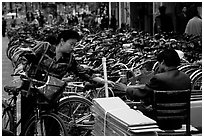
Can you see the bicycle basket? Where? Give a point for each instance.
(52, 89)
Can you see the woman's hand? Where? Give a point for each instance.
(100, 80)
(120, 87)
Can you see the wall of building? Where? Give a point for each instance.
(141, 16)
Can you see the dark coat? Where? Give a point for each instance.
(170, 80)
(163, 23)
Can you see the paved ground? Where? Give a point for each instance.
(6, 66)
(7, 70)
(6, 63)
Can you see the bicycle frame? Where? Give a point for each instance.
(12, 105)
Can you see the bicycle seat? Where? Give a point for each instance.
(11, 90)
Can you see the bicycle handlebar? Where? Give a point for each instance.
(24, 77)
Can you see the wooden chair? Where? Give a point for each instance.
(172, 109)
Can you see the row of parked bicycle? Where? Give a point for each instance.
(125, 53)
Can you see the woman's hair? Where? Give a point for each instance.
(67, 34)
(170, 57)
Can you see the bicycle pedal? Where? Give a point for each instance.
(88, 122)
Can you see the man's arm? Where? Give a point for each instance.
(141, 91)
(80, 71)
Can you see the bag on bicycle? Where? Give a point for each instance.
(52, 89)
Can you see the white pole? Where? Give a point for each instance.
(119, 10)
(153, 16)
(109, 9)
(105, 75)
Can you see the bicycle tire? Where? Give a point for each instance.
(190, 71)
(185, 67)
(75, 112)
(197, 79)
(53, 120)
(7, 118)
(195, 73)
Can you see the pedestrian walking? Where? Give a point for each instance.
(194, 25)
(4, 23)
(35, 21)
(182, 21)
(13, 21)
(113, 23)
(41, 19)
(163, 22)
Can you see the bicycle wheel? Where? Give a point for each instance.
(190, 71)
(7, 118)
(197, 81)
(49, 125)
(76, 114)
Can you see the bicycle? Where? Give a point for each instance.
(74, 109)
(37, 124)
(76, 114)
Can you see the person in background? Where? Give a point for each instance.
(194, 25)
(86, 20)
(93, 21)
(122, 29)
(50, 19)
(35, 21)
(41, 19)
(182, 21)
(75, 20)
(168, 77)
(4, 24)
(106, 22)
(29, 17)
(103, 23)
(59, 19)
(13, 21)
(163, 22)
(113, 23)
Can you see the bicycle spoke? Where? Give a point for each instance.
(76, 109)
(83, 118)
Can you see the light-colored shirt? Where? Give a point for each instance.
(194, 26)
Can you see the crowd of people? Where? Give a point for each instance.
(189, 21)
(86, 20)
(89, 21)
